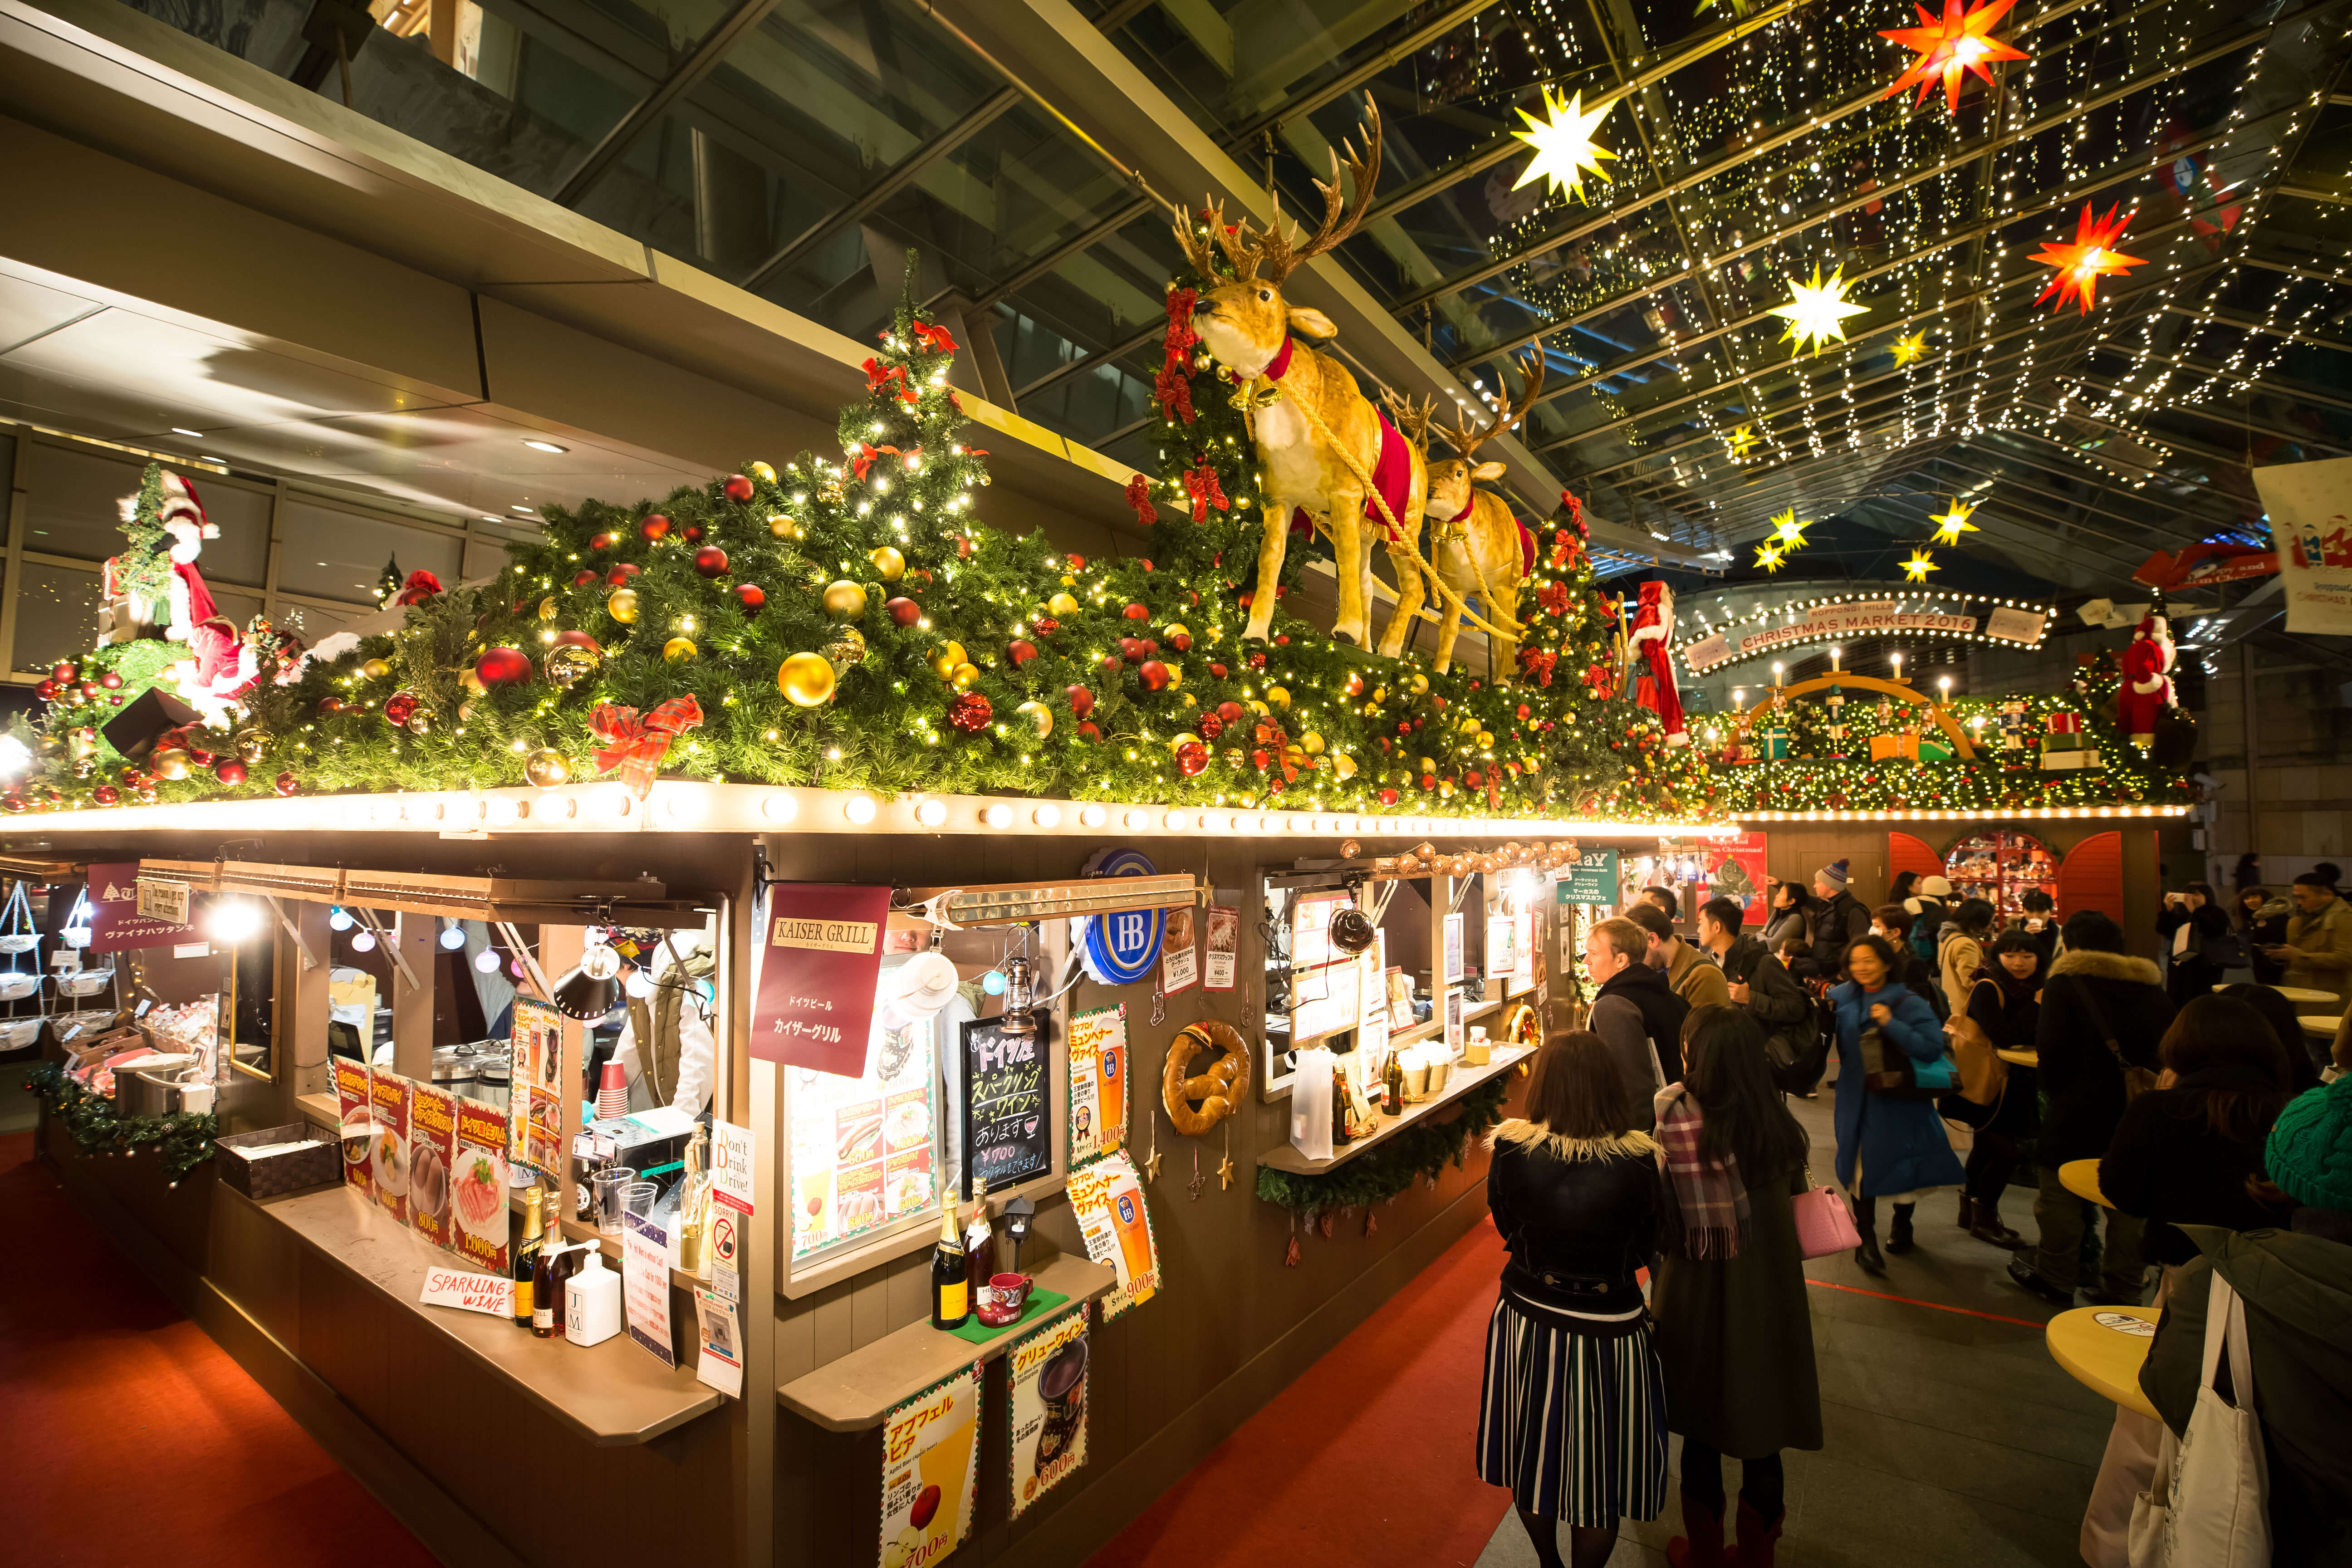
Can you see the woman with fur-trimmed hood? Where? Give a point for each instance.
(1574, 1416)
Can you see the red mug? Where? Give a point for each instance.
(1006, 1298)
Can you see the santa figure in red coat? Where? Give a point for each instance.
(1652, 643)
(2146, 689)
(196, 619)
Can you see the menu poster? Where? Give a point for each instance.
(857, 1163)
(1310, 928)
(1399, 1000)
(907, 1182)
(1224, 923)
(1045, 1378)
(1454, 965)
(645, 1285)
(1179, 957)
(477, 1186)
(388, 1149)
(536, 1106)
(1324, 1001)
(1454, 1021)
(1116, 1224)
(1502, 945)
(930, 1472)
(1008, 1131)
(1097, 1082)
(431, 1141)
(356, 1109)
(815, 998)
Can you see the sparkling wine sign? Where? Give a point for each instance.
(930, 1472)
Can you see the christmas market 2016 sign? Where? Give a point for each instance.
(1861, 618)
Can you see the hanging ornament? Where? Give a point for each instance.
(546, 768)
(751, 596)
(965, 677)
(1959, 43)
(1954, 522)
(1919, 565)
(1788, 534)
(1061, 605)
(251, 744)
(944, 663)
(398, 707)
(546, 608)
(1742, 440)
(1768, 556)
(375, 669)
(783, 527)
(229, 770)
(2081, 263)
(107, 794)
(567, 663)
(634, 744)
(1816, 311)
(1910, 348)
(168, 762)
(421, 722)
(711, 561)
(844, 649)
(807, 678)
(1020, 651)
(502, 667)
(1563, 144)
(889, 565)
(844, 600)
(287, 784)
(656, 526)
(903, 611)
(971, 713)
(1040, 717)
(621, 603)
(1191, 757)
(677, 650)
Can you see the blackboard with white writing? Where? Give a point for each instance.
(1008, 1091)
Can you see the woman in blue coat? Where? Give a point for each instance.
(1892, 1148)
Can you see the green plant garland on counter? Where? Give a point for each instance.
(184, 1139)
(1424, 1149)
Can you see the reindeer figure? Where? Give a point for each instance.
(1476, 544)
(1322, 448)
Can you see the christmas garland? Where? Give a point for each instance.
(1424, 1149)
(184, 1138)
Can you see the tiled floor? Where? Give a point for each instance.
(1948, 1439)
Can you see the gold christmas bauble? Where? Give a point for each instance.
(621, 603)
(764, 473)
(1061, 607)
(1040, 717)
(944, 662)
(845, 601)
(677, 650)
(546, 768)
(1068, 581)
(471, 682)
(1426, 765)
(168, 762)
(1343, 764)
(1313, 741)
(566, 663)
(888, 564)
(375, 669)
(465, 710)
(546, 608)
(844, 649)
(421, 722)
(807, 680)
(783, 527)
(1278, 697)
(965, 678)
(1418, 685)
(1486, 738)
(252, 744)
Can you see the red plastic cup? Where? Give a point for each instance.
(613, 1093)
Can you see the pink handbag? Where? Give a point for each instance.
(1824, 1223)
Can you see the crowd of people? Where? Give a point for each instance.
(1660, 1137)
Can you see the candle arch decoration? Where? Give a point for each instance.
(1901, 690)
(1926, 602)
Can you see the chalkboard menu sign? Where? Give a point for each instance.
(1008, 1090)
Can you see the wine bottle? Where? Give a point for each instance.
(1392, 1087)
(979, 1247)
(526, 1260)
(950, 1292)
(1340, 1133)
(543, 1287)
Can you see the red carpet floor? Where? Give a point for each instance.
(1364, 1460)
(131, 1437)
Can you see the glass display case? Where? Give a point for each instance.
(2002, 866)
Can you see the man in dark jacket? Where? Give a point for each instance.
(1760, 984)
(1837, 919)
(1635, 1012)
(2100, 1009)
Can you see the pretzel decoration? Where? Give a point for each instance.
(1521, 1026)
(1219, 1090)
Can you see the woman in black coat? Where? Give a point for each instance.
(2261, 925)
(2184, 1150)
(2005, 1003)
(2191, 920)
(1573, 1415)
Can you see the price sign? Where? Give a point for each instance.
(1008, 1127)
(1591, 880)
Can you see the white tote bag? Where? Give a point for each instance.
(2208, 1507)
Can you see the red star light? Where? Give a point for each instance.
(2081, 264)
(1945, 49)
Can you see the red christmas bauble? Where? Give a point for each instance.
(1475, 779)
(1212, 726)
(1047, 625)
(711, 561)
(1081, 701)
(1133, 649)
(90, 691)
(287, 783)
(1192, 758)
(963, 546)
(1218, 670)
(106, 795)
(582, 577)
(1137, 613)
(739, 486)
(1388, 797)
(694, 534)
(1230, 712)
(1146, 565)
(47, 691)
(1260, 757)
(656, 526)
(63, 671)
(1111, 666)
(1245, 601)
(619, 576)
(751, 595)
(1181, 641)
(1429, 780)
(331, 704)
(577, 639)
(12, 802)
(1257, 661)
(397, 710)
(1020, 652)
(1154, 674)
(600, 540)
(1522, 710)
(112, 680)
(501, 667)
(971, 713)
(1088, 734)
(229, 770)
(1282, 639)
(1077, 563)
(904, 611)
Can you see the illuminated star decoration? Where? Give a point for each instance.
(2081, 263)
(1816, 311)
(1768, 556)
(1788, 534)
(1950, 525)
(1741, 441)
(1910, 348)
(1564, 147)
(1949, 47)
(1919, 565)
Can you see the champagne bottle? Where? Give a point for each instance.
(950, 1292)
(979, 1247)
(1393, 1086)
(543, 1285)
(1340, 1133)
(526, 1260)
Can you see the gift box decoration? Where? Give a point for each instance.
(1888, 747)
(2068, 752)
(2065, 722)
(1772, 740)
(1935, 749)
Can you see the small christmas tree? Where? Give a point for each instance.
(138, 583)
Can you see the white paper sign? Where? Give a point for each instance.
(468, 1291)
(720, 1363)
(2310, 508)
(1225, 928)
(730, 1166)
(726, 1255)
(645, 1285)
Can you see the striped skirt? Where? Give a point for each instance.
(1573, 1424)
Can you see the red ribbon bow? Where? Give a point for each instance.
(1173, 387)
(861, 456)
(421, 585)
(635, 744)
(1138, 496)
(1201, 481)
(936, 338)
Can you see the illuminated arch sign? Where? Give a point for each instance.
(1843, 617)
(1119, 948)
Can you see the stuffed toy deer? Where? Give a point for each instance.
(1323, 450)
(1476, 544)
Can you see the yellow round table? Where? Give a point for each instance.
(2103, 1348)
(2017, 1057)
(2323, 1028)
(2081, 1177)
(2307, 997)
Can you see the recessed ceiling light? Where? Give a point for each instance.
(524, 509)
(537, 445)
(183, 430)
(487, 518)
(208, 457)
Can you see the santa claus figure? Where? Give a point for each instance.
(195, 620)
(2146, 689)
(1651, 642)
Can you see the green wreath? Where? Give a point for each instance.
(184, 1138)
(1424, 1148)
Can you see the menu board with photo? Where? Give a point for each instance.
(863, 1148)
(1180, 953)
(477, 1186)
(355, 1104)
(536, 1106)
(1008, 1086)
(1115, 1222)
(1097, 1082)
(1325, 1000)
(1045, 1379)
(930, 1472)
(1502, 945)
(431, 1141)
(1224, 936)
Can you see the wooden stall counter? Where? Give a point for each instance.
(1287, 1157)
(613, 1394)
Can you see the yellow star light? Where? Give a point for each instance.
(1767, 557)
(1816, 311)
(1788, 534)
(1910, 348)
(1741, 441)
(1950, 525)
(1564, 147)
(1919, 565)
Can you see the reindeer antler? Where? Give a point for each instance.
(1466, 441)
(1251, 250)
(1413, 416)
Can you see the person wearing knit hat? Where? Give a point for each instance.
(2309, 1155)
(1838, 919)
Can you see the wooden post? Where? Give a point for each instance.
(412, 1005)
(303, 1021)
(559, 948)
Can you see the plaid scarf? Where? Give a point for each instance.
(1710, 1205)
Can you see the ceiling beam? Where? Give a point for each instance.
(707, 52)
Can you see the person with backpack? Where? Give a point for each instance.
(1929, 906)
(2196, 932)
(1838, 919)
(1890, 1143)
(1893, 922)
(1996, 1101)
(1763, 988)
(1961, 954)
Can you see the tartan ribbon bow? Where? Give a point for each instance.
(635, 744)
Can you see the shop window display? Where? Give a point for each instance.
(2001, 867)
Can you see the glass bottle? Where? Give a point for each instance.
(1340, 1133)
(1393, 1085)
(526, 1258)
(567, 1263)
(950, 1291)
(978, 1245)
(543, 1287)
